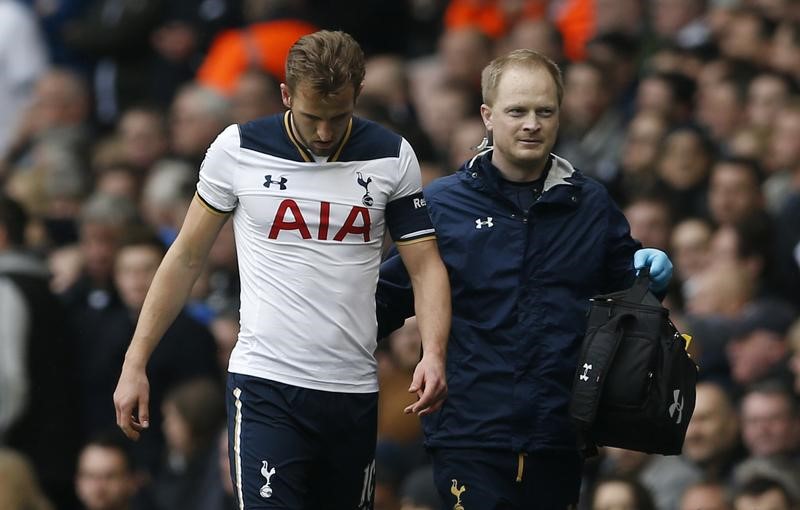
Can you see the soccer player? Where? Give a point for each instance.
(527, 240)
(311, 192)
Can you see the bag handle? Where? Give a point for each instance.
(640, 287)
(590, 377)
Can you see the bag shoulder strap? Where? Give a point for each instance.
(591, 373)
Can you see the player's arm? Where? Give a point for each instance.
(166, 297)
(432, 304)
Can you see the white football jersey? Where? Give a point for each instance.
(309, 241)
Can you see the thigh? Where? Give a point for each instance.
(271, 454)
(553, 480)
(473, 478)
(345, 479)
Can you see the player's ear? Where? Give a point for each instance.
(286, 96)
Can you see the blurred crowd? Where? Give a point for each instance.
(687, 110)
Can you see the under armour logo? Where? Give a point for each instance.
(479, 223)
(266, 490)
(366, 199)
(676, 406)
(585, 375)
(268, 181)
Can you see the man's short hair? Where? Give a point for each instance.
(760, 485)
(327, 61)
(13, 219)
(491, 74)
(113, 440)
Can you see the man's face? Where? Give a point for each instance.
(768, 427)
(523, 119)
(713, 427)
(319, 121)
(99, 246)
(104, 481)
(733, 193)
(134, 270)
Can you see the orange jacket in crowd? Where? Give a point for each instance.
(260, 45)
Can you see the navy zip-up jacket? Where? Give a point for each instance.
(521, 283)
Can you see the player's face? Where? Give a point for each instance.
(319, 121)
(523, 119)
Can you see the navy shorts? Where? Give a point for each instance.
(495, 479)
(297, 448)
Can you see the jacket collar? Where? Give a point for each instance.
(481, 174)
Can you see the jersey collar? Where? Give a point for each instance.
(305, 152)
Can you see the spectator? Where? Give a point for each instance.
(651, 224)
(710, 451)
(781, 160)
(58, 110)
(534, 34)
(186, 351)
(107, 478)
(763, 493)
(758, 349)
(747, 35)
(194, 412)
(721, 110)
(668, 94)
(592, 134)
(24, 59)
(681, 22)
(143, 135)
(770, 420)
(102, 223)
(197, 116)
(256, 94)
(734, 191)
(105, 31)
(705, 496)
(793, 337)
(36, 364)
(166, 195)
(621, 494)
(767, 94)
(689, 246)
(19, 488)
(640, 150)
(683, 167)
(418, 491)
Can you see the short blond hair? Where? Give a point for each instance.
(327, 61)
(491, 74)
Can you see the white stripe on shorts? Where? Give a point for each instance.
(237, 446)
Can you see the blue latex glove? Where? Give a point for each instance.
(659, 264)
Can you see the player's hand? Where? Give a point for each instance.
(429, 384)
(131, 400)
(659, 264)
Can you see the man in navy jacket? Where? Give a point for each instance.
(527, 240)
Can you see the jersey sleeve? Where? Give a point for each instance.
(215, 187)
(406, 212)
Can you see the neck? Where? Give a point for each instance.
(516, 173)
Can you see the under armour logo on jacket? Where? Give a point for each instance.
(479, 223)
(268, 181)
(585, 375)
(676, 406)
